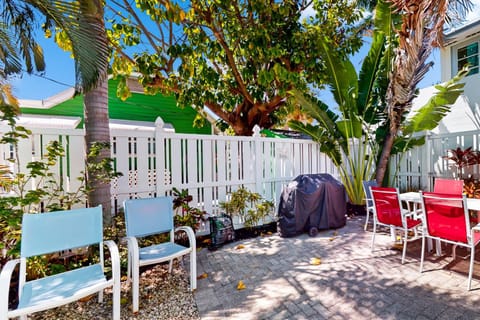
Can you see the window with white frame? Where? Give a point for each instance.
(468, 55)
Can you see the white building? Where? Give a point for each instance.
(461, 46)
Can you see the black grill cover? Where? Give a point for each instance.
(311, 201)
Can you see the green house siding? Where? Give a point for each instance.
(139, 107)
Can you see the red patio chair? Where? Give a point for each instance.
(448, 186)
(447, 219)
(389, 212)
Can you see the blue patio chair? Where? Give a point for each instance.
(368, 199)
(52, 232)
(144, 217)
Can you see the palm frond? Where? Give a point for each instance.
(457, 11)
(84, 25)
(10, 62)
(18, 23)
(316, 109)
(341, 77)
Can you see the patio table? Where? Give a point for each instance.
(415, 199)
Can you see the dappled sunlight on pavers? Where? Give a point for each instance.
(347, 282)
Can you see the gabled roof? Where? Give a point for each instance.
(464, 32)
(139, 107)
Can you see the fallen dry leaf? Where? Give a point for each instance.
(203, 276)
(332, 238)
(397, 246)
(240, 246)
(315, 261)
(207, 241)
(87, 298)
(241, 285)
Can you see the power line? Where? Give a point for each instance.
(53, 80)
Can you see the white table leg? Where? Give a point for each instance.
(393, 234)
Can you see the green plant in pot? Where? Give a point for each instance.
(186, 215)
(249, 206)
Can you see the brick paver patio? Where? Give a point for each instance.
(351, 282)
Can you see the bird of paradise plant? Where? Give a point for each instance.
(352, 137)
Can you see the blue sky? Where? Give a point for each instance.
(60, 75)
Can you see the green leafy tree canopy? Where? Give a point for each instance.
(238, 59)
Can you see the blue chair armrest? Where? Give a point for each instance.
(5, 278)
(132, 244)
(191, 235)
(114, 257)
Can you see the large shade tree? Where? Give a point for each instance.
(238, 59)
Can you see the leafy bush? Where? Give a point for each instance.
(462, 158)
(249, 206)
(37, 190)
(185, 214)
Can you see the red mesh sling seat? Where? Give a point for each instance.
(389, 212)
(446, 219)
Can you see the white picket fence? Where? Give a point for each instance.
(154, 161)
(208, 166)
(418, 168)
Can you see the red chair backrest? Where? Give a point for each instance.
(448, 186)
(446, 216)
(387, 205)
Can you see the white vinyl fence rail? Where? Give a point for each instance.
(209, 166)
(418, 168)
(154, 161)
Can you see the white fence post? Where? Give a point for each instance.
(430, 173)
(258, 159)
(162, 158)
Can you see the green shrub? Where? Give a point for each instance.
(249, 206)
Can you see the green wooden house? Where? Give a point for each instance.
(139, 108)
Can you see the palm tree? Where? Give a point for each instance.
(420, 31)
(84, 26)
(96, 118)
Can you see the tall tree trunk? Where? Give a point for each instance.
(97, 122)
(417, 36)
(97, 130)
(382, 164)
